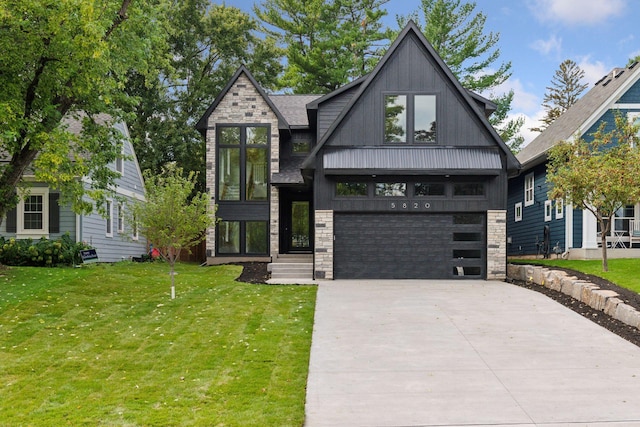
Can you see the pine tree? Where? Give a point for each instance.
(327, 43)
(565, 90)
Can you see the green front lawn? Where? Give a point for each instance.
(623, 272)
(105, 345)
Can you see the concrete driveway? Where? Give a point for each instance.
(463, 353)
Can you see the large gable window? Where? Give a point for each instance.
(410, 119)
(243, 163)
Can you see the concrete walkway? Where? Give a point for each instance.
(463, 353)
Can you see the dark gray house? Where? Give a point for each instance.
(396, 175)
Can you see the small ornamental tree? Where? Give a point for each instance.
(172, 218)
(601, 175)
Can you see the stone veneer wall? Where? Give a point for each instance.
(243, 104)
(496, 245)
(323, 259)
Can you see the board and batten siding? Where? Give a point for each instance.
(329, 110)
(411, 71)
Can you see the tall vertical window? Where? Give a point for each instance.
(120, 161)
(529, 183)
(548, 210)
(559, 208)
(410, 118)
(634, 119)
(109, 219)
(120, 218)
(243, 166)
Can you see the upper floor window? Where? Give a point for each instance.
(410, 118)
(634, 119)
(243, 166)
(120, 161)
(529, 182)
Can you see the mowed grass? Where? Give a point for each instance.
(104, 345)
(623, 272)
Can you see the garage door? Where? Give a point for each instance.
(409, 246)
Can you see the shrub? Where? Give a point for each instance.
(40, 253)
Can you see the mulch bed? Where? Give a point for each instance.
(256, 272)
(623, 330)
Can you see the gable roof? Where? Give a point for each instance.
(581, 115)
(412, 29)
(202, 123)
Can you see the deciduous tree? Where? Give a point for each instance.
(69, 57)
(172, 218)
(206, 44)
(600, 175)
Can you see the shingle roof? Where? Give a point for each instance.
(290, 172)
(293, 107)
(581, 115)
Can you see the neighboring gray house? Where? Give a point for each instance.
(40, 215)
(573, 231)
(398, 174)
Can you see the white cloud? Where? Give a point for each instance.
(523, 101)
(546, 47)
(593, 70)
(587, 12)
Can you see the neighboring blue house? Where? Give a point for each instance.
(571, 231)
(40, 215)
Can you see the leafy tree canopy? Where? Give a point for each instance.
(206, 44)
(171, 218)
(600, 175)
(62, 58)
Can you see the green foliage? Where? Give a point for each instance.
(63, 58)
(457, 33)
(564, 91)
(101, 345)
(206, 43)
(40, 253)
(601, 175)
(172, 218)
(327, 43)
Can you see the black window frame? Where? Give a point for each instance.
(242, 236)
(243, 147)
(410, 113)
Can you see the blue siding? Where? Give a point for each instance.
(577, 228)
(631, 96)
(523, 233)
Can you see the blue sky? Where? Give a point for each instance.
(537, 35)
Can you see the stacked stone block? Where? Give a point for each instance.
(243, 104)
(599, 299)
(323, 263)
(496, 244)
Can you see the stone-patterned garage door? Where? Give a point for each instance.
(409, 246)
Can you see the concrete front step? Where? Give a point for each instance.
(292, 275)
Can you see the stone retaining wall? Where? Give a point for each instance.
(600, 299)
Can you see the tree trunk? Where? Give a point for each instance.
(10, 178)
(605, 227)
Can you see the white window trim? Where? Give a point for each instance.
(633, 116)
(108, 225)
(21, 233)
(529, 187)
(135, 233)
(559, 208)
(548, 210)
(119, 166)
(120, 220)
(518, 212)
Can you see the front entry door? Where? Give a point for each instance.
(297, 236)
